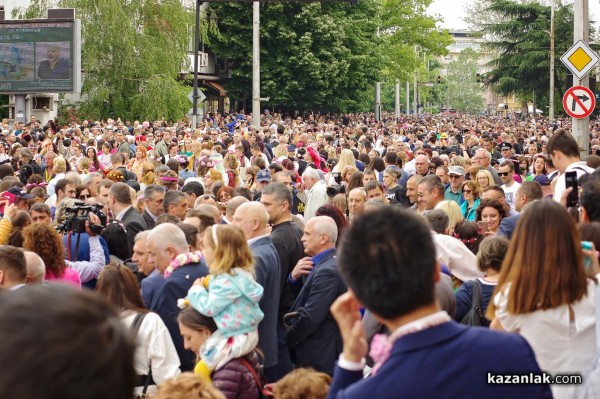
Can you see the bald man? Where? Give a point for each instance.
(36, 270)
(232, 206)
(211, 210)
(252, 218)
(313, 336)
(422, 165)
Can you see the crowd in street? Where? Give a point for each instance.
(316, 256)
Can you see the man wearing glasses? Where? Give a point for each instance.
(483, 158)
(456, 174)
(510, 186)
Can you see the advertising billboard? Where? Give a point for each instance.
(40, 56)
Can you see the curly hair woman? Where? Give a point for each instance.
(42, 239)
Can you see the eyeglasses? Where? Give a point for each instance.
(503, 173)
(468, 191)
(454, 177)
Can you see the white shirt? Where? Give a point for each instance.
(154, 347)
(410, 167)
(456, 256)
(313, 199)
(579, 167)
(510, 193)
(560, 346)
(122, 213)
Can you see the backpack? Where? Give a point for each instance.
(264, 392)
(475, 316)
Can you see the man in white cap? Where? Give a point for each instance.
(456, 175)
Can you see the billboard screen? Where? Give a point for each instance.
(40, 56)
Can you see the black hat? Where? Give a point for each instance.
(506, 146)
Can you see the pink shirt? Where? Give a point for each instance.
(70, 276)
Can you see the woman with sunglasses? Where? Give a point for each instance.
(82, 193)
(470, 190)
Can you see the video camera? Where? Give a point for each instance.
(337, 188)
(77, 215)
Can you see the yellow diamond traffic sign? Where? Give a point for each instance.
(580, 59)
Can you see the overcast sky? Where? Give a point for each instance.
(453, 10)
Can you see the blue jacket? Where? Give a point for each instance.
(508, 225)
(446, 361)
(165, 305)
(313, 338)
(231, 300)
(150, 286)
(266, 264)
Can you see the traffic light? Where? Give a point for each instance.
(439, 79)
(478, 78)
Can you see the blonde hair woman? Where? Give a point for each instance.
(484, 179)
(346, 159)
(59, 170)
(453, 211)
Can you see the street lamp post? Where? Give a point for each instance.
(196, 50)
(551, 98)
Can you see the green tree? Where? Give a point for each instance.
(408, 34)
(132, 54)
(463, 89)
(313, 56)
(520, 38)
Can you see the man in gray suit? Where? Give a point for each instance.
(252, 219)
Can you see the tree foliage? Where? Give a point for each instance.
(408, 34)
(520, 38)
(463, 89)
(313, 56)
(326, 56)
(132, 54)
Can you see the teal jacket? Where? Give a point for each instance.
(472, 214)
(231, 300)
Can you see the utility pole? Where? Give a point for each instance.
(416, 110)
(397, 107)
(407, 97)
(196, 50)
(581, 31)
(256, 65)
(377, 101)
(551, 98)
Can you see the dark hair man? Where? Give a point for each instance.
(286, 237)
(13, 268)
(85, 351)
(119, 202)
(386, 277)
(564, 153)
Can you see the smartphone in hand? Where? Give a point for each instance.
(571, 181)
(483, 226)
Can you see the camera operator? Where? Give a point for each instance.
(45, 241)
(85, 248)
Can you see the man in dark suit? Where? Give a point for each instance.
(252, 219)
(392, 272)
(286, 236)
(313, 336)
(165, 242)
(528, 191)
(154, 196)
(119, 202)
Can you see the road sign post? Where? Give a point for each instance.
(579, 102)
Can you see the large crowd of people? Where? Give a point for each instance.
(316, 256)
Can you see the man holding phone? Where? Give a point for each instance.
(564, 152)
